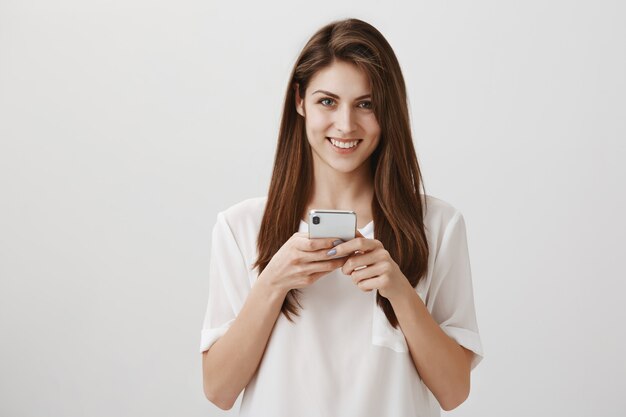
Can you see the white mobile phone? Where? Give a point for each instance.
(332, 223)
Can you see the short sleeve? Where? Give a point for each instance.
(451, 297)
(228, 283)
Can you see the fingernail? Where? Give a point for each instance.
(336, 242)
(331, 252)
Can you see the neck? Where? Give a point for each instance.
(343, 191)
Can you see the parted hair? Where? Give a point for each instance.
(397, 206)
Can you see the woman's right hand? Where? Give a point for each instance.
(300, 262)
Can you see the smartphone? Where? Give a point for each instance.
(332, 223)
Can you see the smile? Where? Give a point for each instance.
(344, 144)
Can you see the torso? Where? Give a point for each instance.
(340, 355)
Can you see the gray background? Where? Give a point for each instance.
(126, 126)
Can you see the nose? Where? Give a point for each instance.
(345, 120)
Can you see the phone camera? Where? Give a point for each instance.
(316, 220)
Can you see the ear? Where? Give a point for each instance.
(299, 101)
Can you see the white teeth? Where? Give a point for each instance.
(344, 145)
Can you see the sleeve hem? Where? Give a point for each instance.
(469, 340)
(209, 336)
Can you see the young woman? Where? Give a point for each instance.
(389, 330)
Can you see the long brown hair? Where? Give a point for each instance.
(396, 206)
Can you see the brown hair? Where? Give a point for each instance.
(396, 205)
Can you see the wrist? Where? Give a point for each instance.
(404, 295)
(270, 290)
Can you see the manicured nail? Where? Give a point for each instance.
(336, 242)
(331, 252)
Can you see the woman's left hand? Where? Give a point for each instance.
(372, 267)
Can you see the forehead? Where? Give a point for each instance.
(341, 78)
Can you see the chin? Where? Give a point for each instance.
(336, 163)
(346, 168)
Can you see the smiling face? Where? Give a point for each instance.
(341, 126)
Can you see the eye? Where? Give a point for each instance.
(326, 101)
(365, 105)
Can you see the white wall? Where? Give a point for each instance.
(125, 126)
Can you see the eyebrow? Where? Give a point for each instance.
(328, 93)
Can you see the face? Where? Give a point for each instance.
(340, 124)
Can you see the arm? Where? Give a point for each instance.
(434, 332)
(442, 363)
(438, 333)
(230, 363)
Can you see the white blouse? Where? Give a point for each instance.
(341, 357)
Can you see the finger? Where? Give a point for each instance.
(356, 262)
(319, 255)
(368, 285)
(310, 245)
(323, 266)
(357, 244)
(366, 273)
(317, 275)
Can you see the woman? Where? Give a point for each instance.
(294, 321)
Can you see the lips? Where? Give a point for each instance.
(344, 143)
(343, 150)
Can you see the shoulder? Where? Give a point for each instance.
(439, 211)
(440, 216)
(243, 219)
(251, 208)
